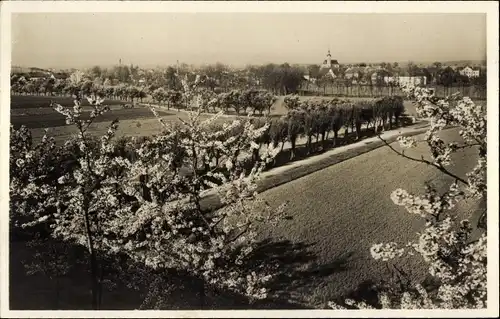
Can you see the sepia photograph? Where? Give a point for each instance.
(251, 158)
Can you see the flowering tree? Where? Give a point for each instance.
(76, 77)
(457, 259)
(144, 201)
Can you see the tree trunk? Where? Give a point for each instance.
(358, 130)
(323, 140)
(309, 142)
(202, 294)
(335, 137)
(56, 301)
(255, 156)
(101, 278)
(93, 259)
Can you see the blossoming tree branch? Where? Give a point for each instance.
(456, 259)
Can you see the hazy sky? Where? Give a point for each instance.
(147, 39)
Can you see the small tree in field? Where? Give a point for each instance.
(456, 256)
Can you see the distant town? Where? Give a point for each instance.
(329, 71)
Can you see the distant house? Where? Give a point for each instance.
(33, 76)
(308, 78)
(379, 75)
(469, 72)
(328, 73)
(353, 72)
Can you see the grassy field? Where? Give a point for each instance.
(35, 112)
(340, 211)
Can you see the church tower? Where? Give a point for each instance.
(328, 59)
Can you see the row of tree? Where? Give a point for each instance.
(281, 79)
(171, 95)
(319, 118)
(85, 86)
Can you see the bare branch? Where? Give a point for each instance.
(422, 160)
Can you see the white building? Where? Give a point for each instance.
(469, 72)
(308, 78)
(352, 72)
(409, 80)
(331, 74)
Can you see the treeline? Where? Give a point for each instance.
(281, 79)
(255, 101)
(67, 87)
(361, 90)
(318, 119)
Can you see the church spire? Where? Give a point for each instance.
(328, 59)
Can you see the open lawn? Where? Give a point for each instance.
(33, 101)
(35, 112)
(145, 126)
